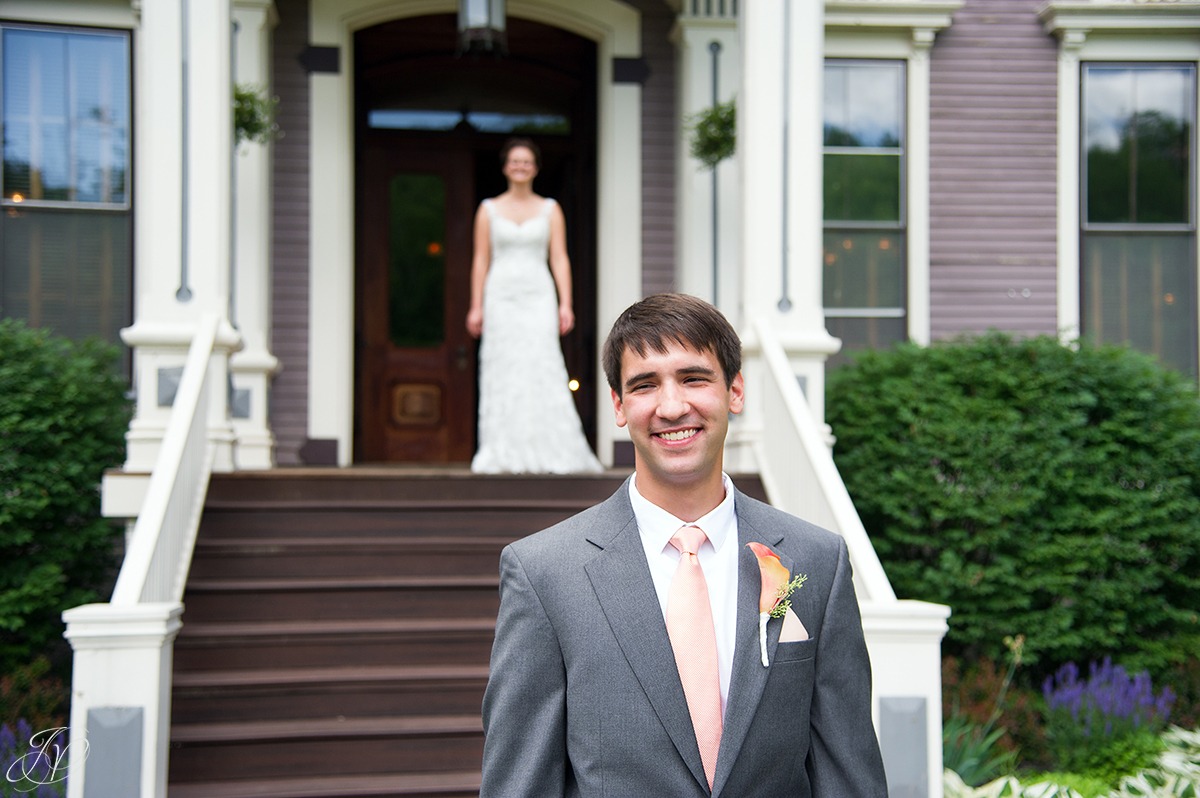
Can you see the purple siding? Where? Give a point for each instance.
(993, 187)
(659, 125)
(289, 267)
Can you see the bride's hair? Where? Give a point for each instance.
(521, 142)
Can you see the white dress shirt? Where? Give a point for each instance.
(718, 559)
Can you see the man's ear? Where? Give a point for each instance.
(618, 408)
(737, 394)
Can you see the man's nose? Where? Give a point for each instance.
(671, 403)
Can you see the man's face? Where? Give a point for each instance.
(676, 406)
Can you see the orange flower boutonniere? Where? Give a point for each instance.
(777, 588)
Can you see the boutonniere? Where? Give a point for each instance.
(777, 587)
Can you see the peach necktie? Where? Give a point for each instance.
(694, 641)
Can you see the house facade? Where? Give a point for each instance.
(905, 170)
(920, 170)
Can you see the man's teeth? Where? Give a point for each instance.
(677, 436)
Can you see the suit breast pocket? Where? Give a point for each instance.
(796, 651)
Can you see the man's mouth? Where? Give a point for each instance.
(677, 435)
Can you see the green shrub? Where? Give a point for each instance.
(1035, 488)
(62, 422)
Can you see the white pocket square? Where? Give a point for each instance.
(793, 631)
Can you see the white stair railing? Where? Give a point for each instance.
(903, 637)
(798, 472)
(121, 680)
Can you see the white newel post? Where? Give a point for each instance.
(708, 201)
(254, 366)
(122, 663)
(183, 123)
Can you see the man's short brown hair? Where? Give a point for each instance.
(655, 321)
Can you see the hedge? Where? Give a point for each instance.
(1038, 489)
(63, 415)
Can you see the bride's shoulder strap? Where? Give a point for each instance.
(548, 205)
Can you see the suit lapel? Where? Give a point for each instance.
(621, 580)
(749, 677)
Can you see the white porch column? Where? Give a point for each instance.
(254, 366)
(708, 212)
(780, 139)
(123, 657)
(183, 125)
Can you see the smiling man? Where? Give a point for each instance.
(629, 657)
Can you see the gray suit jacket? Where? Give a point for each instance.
(585, 699)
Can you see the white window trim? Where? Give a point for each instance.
(901, 31)
(1103, 30)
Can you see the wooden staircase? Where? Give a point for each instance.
(338, 624)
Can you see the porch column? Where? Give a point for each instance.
(120, 698)
(183, 124)
(780, 123)
(250, 310)
(709, 217)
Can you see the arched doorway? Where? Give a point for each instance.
(428, 127)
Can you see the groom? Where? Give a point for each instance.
(628, 660)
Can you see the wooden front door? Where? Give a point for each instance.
(416, 362)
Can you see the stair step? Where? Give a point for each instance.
(322, 520)
(389, 486)
(453, 784)
(277, 557)
(342, 597)
(338, 745)
(309, 644)
(325, 728)
(291, 693)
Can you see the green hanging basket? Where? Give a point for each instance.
(713, 133)
(253, 115)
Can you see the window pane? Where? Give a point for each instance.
(67, 270)
(864, 270)
(1140, 290)
(862, 188)
(1137, 136)
(863, 104)
(417, 260)
(859, 334)
(66, 116)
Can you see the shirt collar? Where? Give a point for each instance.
(657, 526)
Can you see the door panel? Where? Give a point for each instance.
(416, 363)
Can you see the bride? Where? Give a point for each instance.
(527, 417)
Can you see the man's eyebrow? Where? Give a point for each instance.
(636, 378)
(703, 371)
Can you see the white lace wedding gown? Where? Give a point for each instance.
(527, 418)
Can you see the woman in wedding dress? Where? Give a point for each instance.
(521, 305)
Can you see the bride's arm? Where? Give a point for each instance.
(480, 261)
(560, 268)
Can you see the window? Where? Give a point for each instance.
(65, 242)
(865, 282)
(1138, 242)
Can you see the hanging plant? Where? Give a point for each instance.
(253, 115)
(713, 133)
